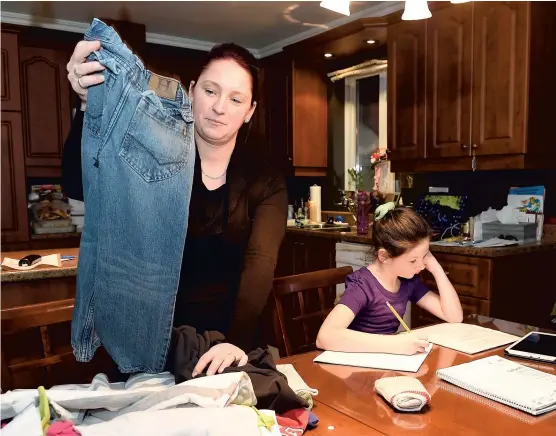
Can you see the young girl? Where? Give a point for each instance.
(362, 321)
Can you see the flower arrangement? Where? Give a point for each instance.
(379, 156)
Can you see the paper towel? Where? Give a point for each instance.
(315, 192)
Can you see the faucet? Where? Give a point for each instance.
(348, 202)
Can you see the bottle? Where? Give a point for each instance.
(363, 205)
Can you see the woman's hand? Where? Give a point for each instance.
(80, 73)
(220, 357)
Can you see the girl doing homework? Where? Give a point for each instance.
(362, 320)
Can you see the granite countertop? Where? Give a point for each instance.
(68, 268)
(547, 243)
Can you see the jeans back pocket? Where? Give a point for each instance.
(156, 145)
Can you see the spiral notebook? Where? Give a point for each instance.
(507, 382)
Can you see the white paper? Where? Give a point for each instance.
(394, 362)
(467, 338)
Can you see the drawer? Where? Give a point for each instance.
(471, 276)
(470, 306)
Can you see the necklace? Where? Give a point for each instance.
(214, 178)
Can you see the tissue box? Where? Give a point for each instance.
(524, 232)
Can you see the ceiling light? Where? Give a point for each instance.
(370, 41)
(328, 55)
(340, 6)
(416, 10)
(459, 1)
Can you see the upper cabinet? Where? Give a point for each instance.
(46, 109)
(467, 88)
(296, 114)
(11, 100)
(406, 89)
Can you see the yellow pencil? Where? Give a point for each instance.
(399, 317)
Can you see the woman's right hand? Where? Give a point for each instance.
(81, 74)
(411, 343)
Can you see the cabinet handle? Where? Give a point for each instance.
(474, 145)
(464, 146)
(447, 273)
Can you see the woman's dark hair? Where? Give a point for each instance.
(241, 56)
(398, 231)
(248, 62)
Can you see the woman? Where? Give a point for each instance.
(238, 207)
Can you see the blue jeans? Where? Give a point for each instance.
(138, 155)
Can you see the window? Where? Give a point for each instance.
(365, 123)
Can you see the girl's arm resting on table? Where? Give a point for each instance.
(334, 335)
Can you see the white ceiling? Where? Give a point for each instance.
(262, 26)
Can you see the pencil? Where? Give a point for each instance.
(399, 317)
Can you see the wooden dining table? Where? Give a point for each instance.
(347, 403)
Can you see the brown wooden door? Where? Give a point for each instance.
(449, 73)
(46, 109)
(310, 118)
(500, 65)
(11, 100)
(406, 90)
(15, 225)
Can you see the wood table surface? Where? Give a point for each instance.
(452, 411)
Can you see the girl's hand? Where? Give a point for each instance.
(410, 343)
(432, 265)
(220, 357)
(80, 73)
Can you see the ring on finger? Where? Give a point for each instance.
(79, 82)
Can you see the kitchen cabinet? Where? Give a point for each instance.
(46, 108)
(11, 99)
(478, 82)
(300, 254)
(15, 222)
(406, 89)
(296, 114)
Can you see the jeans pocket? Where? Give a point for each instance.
(156, 146)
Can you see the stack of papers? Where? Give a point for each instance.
(467, 338)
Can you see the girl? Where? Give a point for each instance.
(362, 321)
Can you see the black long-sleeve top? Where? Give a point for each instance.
(232, 243)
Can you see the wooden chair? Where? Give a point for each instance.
(302, 303)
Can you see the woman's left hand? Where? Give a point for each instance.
(220, 357)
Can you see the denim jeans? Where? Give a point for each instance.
(138, 155)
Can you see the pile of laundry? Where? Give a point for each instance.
(260, 398)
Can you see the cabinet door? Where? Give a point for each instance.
(310, 119)
(501, 61)
(449, 71)
(11, 100)
(15, 225)
(46, 109)
(406, 90)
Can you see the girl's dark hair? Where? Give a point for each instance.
(241, 56)
(398, 231)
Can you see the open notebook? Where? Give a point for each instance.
(467, 338)
(507, 382)
(394, 362)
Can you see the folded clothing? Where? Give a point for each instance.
(404, 393)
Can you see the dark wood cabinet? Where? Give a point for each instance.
(406, 89)
(300, 254)
(500, 67)
(449, 70)
(15, 225)
(11, 99)
(481, 74)
(46, 109)
(296, 114)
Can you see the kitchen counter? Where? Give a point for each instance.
(546, 244)
(68, 268)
